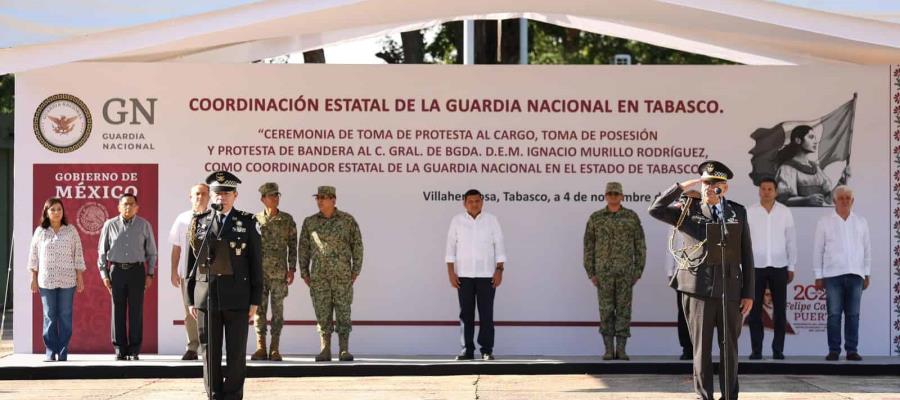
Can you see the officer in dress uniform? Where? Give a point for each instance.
(698, 277)
(224, 285)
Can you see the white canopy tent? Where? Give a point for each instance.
(745, 31)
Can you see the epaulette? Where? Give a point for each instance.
(247, 214)
(735, 204)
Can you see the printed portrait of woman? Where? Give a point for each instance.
(801, 182)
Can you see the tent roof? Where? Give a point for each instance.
(744, 31)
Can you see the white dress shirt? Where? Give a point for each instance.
(178, 237)
(842, 246)
(475, 245)
(773, 235)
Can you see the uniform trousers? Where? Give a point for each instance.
(614, 293)
(276, 290)
(684, 336)
(190, 324)
(227, 384)
(332, 298)
(704, 314)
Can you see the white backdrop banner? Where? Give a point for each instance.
(402, 143)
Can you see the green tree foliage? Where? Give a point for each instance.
(7, 92)
(447, 44)
(391, 51)
(552, 44)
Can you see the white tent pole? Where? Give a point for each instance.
(523, 40)
(469, 42)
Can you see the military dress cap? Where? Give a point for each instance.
(268, 188)
(714, 170)
(222, 181)
(614, 187)
(326, 191)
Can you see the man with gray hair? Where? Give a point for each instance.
(178, 238)
(842, 259)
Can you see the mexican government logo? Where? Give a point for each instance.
(90, 218)
(62, 123)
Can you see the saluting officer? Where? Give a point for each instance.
(699, 272)
(225, 285)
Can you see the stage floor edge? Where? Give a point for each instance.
(94, 366)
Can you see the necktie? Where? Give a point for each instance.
(221, 223)
(715, 213)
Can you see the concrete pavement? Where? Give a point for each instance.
(481, 387)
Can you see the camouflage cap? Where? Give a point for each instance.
(613, 187)
(326, 191)
(268, 188)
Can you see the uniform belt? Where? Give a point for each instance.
(125, 266)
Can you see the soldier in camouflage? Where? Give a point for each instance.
(614, 256)
(279, 260)
(331, 255)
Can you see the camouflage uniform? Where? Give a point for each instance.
(279, 252)
(333, 246)
(614, 252)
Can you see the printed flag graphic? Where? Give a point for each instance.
(835, 129)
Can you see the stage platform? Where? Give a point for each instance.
(93, 366)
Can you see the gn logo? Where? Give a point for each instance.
(117, 110)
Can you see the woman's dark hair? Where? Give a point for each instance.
(788, 152)
(45, 218)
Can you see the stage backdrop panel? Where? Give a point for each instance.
(401, 143)
(87, 207)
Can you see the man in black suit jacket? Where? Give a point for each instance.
(224, 286)
(698, 277)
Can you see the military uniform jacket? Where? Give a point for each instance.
(614, 244)
(706, 279)
(243, 287)
(279, 244)
(331, 247)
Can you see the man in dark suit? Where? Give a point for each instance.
(698, 277)
(224, 285)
